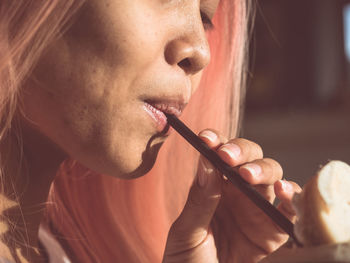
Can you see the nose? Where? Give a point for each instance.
(190, 52)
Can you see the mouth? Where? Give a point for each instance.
(156, 110)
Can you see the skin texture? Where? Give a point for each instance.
(91, 84)
(85, 100)
(85, 97)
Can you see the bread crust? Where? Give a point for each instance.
(311, 227)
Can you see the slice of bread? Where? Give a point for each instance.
(323, 207)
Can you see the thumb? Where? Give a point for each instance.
(191, 228)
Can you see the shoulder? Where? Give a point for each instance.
(54, 250)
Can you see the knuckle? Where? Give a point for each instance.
(249, 146)
(275, 167)
(258, 149)
(254, 148)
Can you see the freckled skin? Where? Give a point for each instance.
(86, 92)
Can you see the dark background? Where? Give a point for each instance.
(298, 93)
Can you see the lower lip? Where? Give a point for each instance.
(159, 118)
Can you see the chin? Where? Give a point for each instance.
(149, 158)
(138, 166)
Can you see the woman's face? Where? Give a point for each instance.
(91, 91)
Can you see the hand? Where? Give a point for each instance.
(219, 223)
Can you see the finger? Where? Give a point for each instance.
(267, 192)
(238, 151)
(193, 223)
(285, 191)
(212, 138)
(263, 171)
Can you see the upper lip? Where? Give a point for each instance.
(170, 106)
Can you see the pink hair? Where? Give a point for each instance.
(26, 28)
(104, 219)
(98, 218)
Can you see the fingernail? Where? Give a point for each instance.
(211, 136)
(205, 171)
(231, 149)
(253, 169)
(286, 187)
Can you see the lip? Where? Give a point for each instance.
(156, 110)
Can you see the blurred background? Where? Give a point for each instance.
(298, 93)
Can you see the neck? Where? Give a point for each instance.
(29, 169)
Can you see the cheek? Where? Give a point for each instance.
(103, 140)
(87, 81)
(122, 34)
(111, 144)
(195, 80)
(84, 116)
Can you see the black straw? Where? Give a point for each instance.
(271, 211)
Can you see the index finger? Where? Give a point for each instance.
(212, 138)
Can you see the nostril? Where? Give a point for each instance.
(185, 64)
(187, 54)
